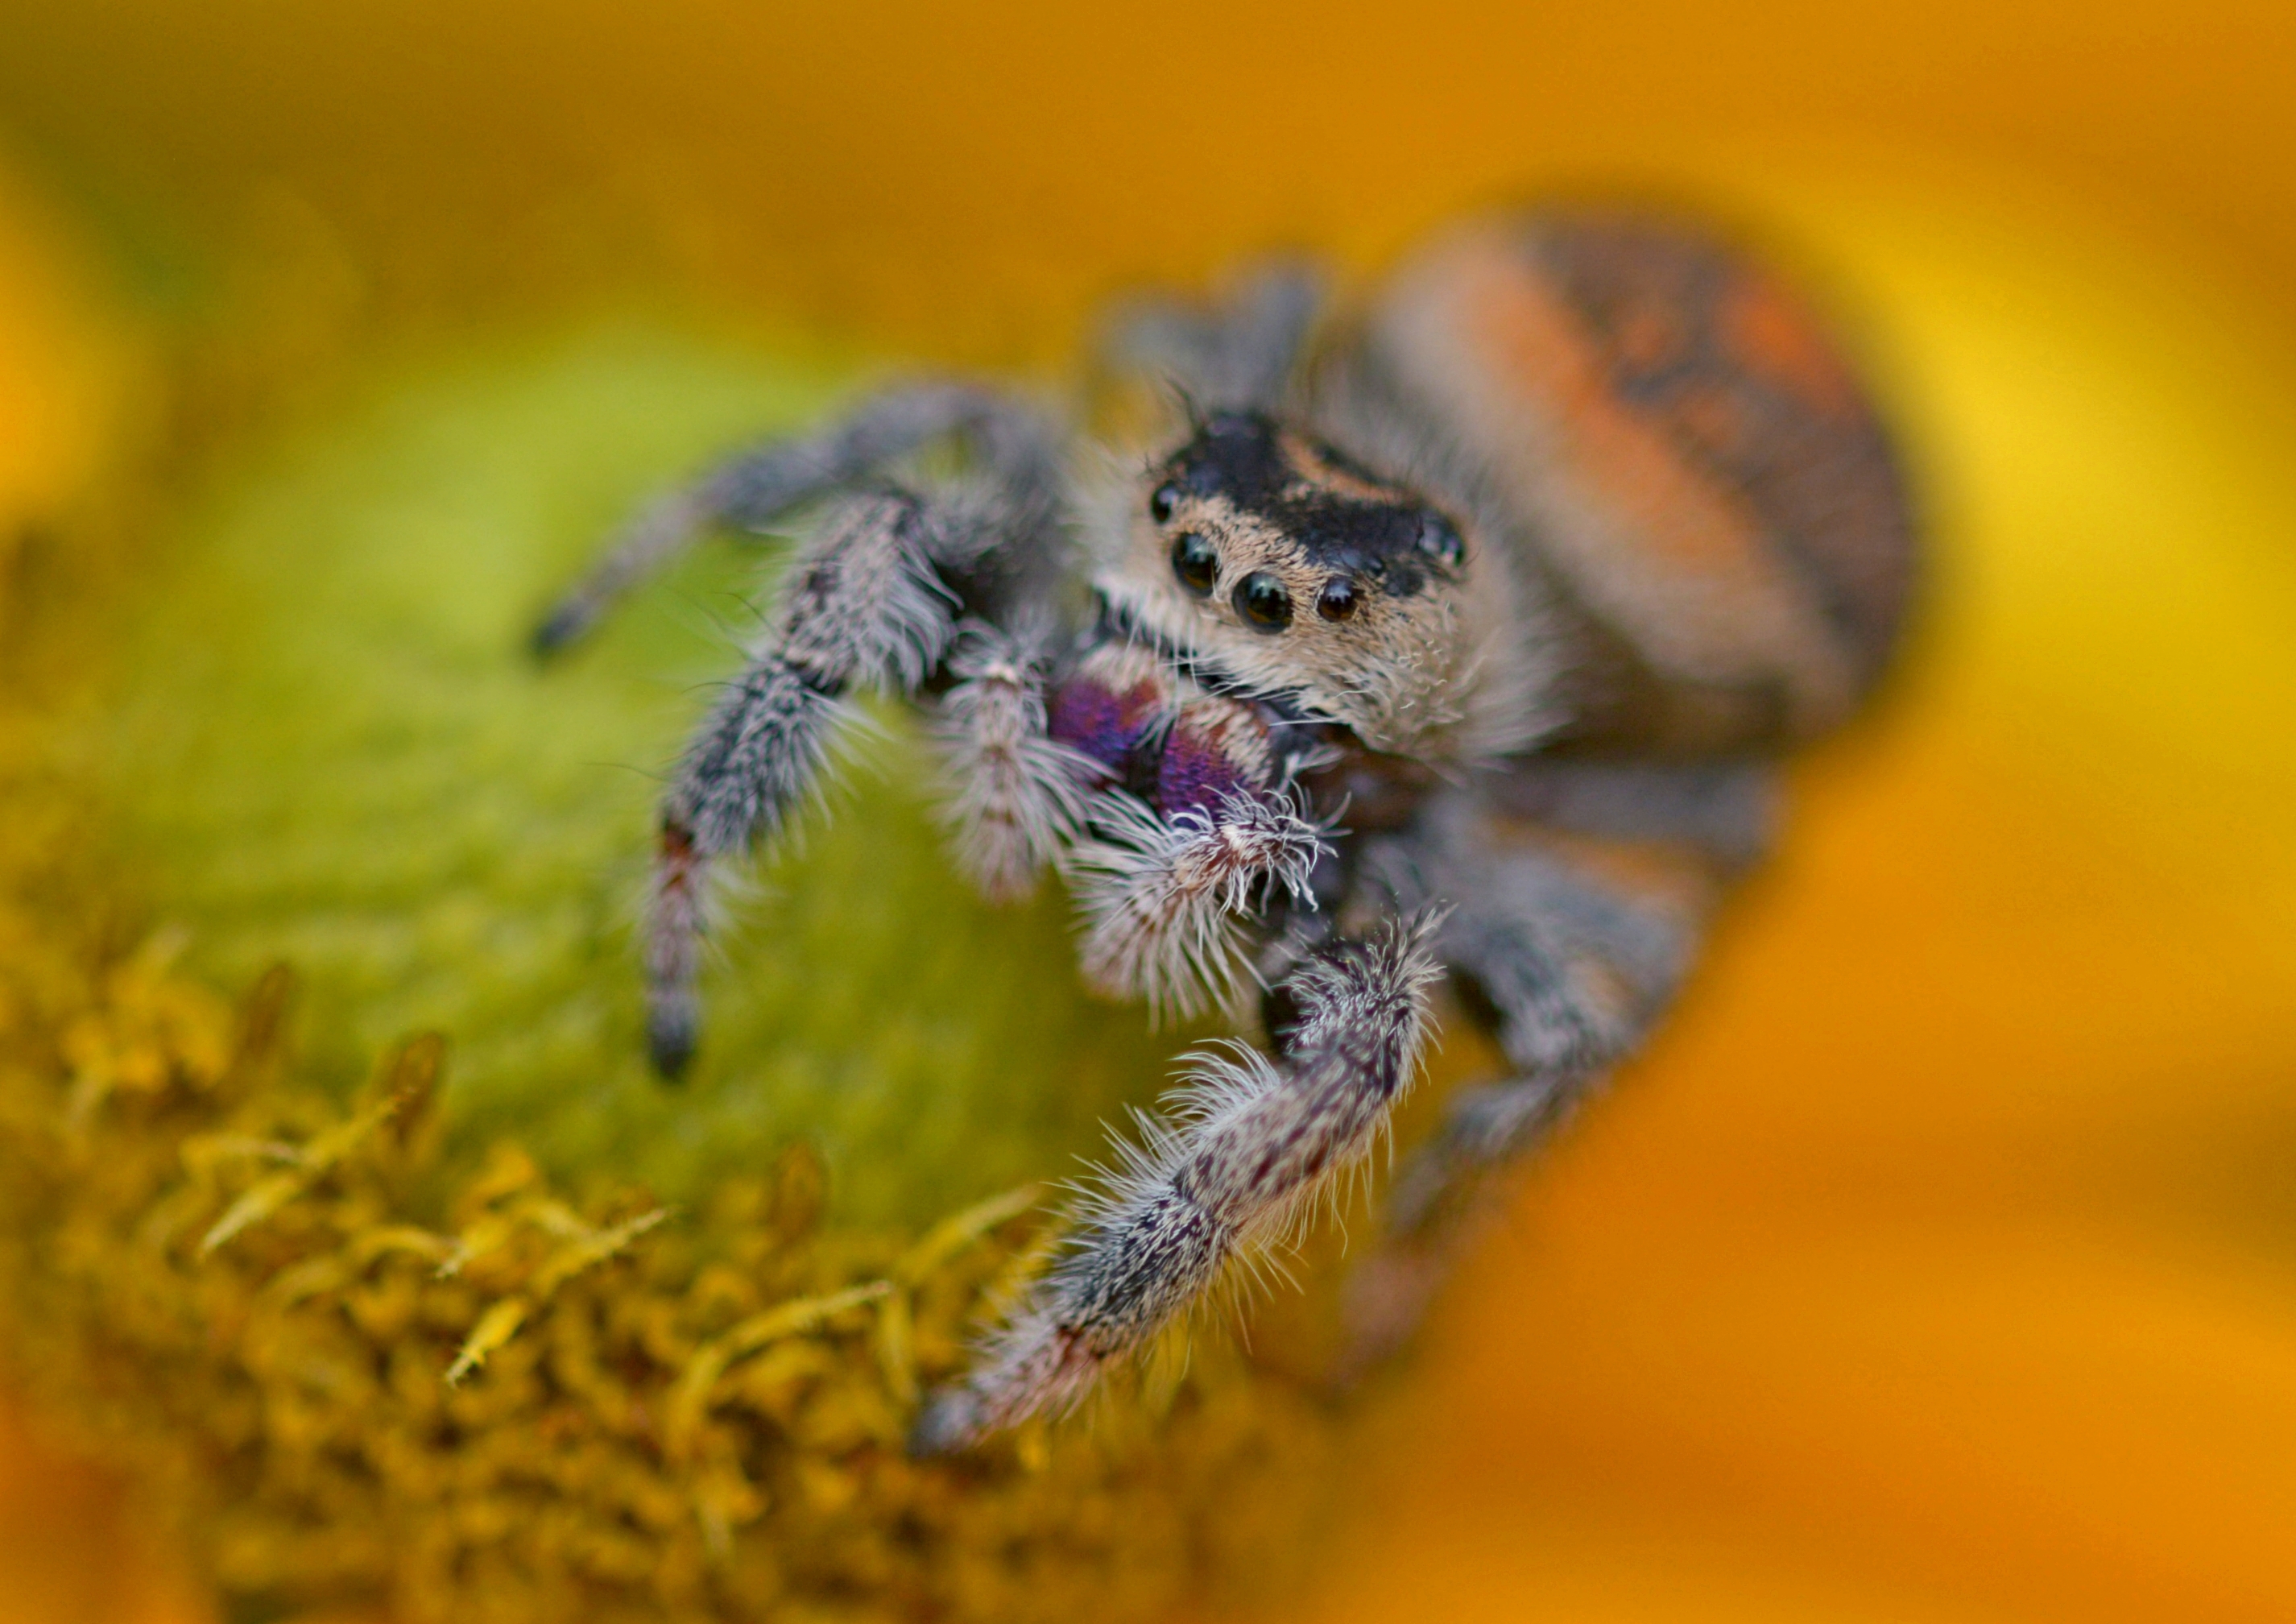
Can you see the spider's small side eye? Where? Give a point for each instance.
(1337, 600)
(1439, 541)
(1160, 504)
(1196, 563)
(1261, 600)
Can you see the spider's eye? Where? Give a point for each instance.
(1160, 504)
(1261, 600)
(1337, 601)
(1439, 541)
(1196, 563)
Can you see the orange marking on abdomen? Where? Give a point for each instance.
(1645, 522)
(1549, 366)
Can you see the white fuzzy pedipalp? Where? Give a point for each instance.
(1163, 901)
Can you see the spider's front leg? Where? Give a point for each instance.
(1254, 1143)
(864, 604)
(871, 601)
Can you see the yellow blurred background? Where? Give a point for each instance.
(1939, 1263)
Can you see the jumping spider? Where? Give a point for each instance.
(1452, 635)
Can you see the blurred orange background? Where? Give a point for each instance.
(1940, 1261)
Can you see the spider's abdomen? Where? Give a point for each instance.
(1684, 455)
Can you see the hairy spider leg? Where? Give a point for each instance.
(1013, 798)
(766, 483)
(872, 600)
(1251, 1145)
(865, 605)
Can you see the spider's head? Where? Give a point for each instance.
(1275, 561)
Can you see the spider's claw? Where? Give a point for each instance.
(562, 627)
(673, 1029)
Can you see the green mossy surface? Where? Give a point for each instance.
(336, 751)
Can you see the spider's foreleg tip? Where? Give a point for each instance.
(671, 1038)
(559, 629)
(950, 1420)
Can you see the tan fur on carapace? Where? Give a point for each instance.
(1688, 462)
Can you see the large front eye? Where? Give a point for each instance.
(1261, 600)
(1196, 563)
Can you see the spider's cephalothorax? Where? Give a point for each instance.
(1274, 558)
(1446, 637)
